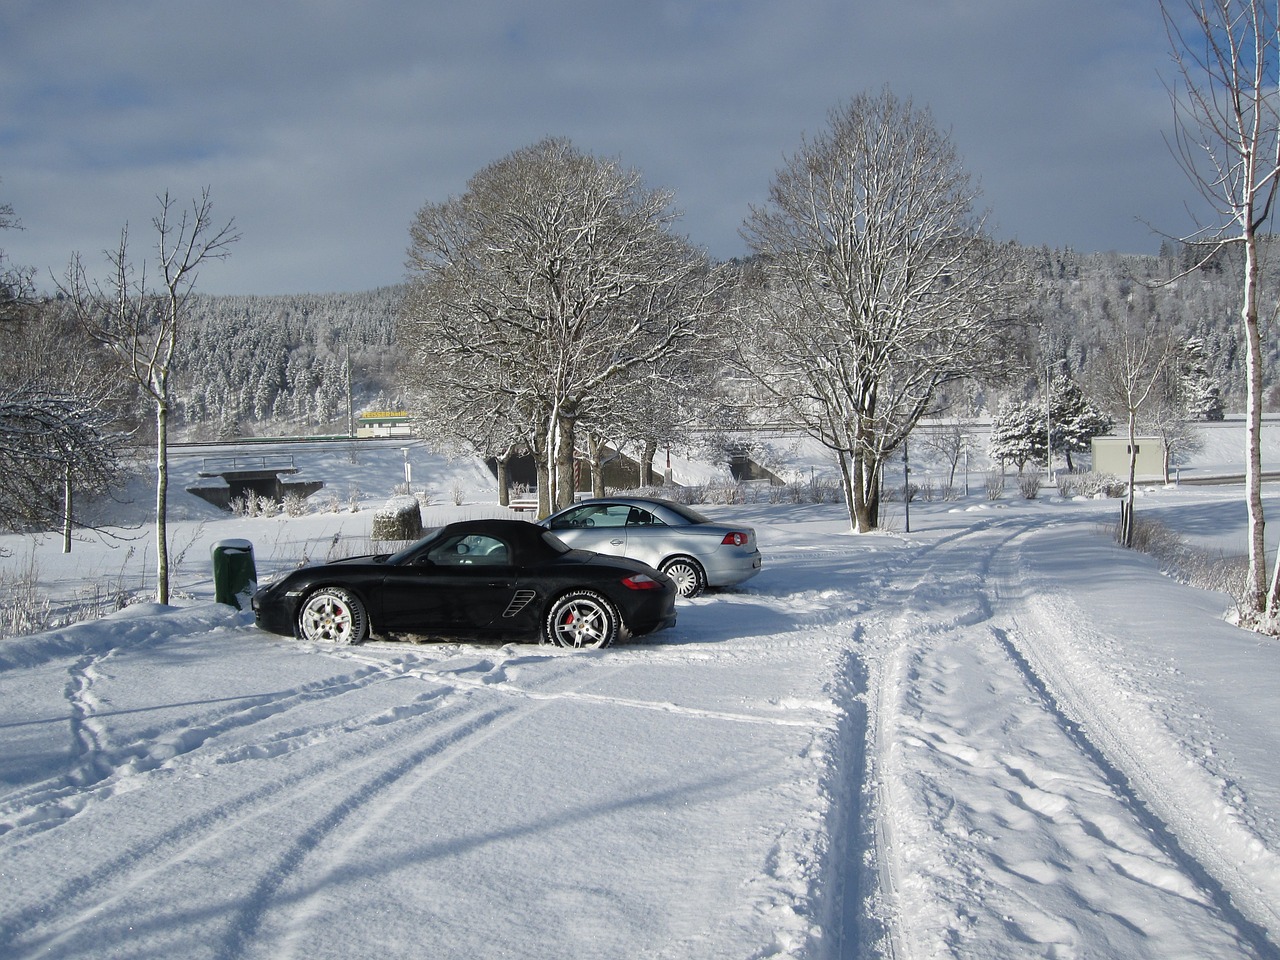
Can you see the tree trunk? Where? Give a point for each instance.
(162, 501)
(597, 467)
(1126, 523)
(562, 458)
(66, 507)
(866, 494)
(544, 487)
(504, 479)
(646, 463)
(1257, 587)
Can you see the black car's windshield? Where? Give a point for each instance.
(555, 543)
(414, 548)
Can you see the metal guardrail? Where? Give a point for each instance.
(233, 464)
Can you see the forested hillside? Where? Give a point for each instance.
(259, 364)
(277, 364)
(1079, 299)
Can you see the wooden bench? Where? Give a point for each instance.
(524, 505)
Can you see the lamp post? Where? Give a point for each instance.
(1048, 422)
(906, 487)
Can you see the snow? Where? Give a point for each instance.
(999, 735)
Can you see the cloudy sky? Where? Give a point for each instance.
(322, 126)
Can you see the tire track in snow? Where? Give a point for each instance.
(96, 770)
(456, 721)
(1220, 853)
(878, 924)
(913, 649)
(494, 680)
(228, 825)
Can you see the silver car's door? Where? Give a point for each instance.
(599, 527)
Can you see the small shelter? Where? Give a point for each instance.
(1111, 455)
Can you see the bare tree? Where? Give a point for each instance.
(140, 324)
(1131, 377)
(15, 283)
(1227, 141)
(877, 286)
(552, 280)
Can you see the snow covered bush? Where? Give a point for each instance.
(995, 484)
(400, 518)
(1093, 484)
(1029, 485)
(24, 609)
(1198, 567)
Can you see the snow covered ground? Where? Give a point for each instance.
(996, 736)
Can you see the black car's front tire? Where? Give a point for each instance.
(333, 615)
(582, 620)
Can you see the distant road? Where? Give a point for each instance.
(1226, 478)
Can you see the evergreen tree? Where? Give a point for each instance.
(1075, 420)
(1017, 434)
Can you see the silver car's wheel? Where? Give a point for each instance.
(690, 580)
(581, 621)
(332, 615)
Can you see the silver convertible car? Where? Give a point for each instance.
(692, 550)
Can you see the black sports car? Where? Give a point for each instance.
(477, 578)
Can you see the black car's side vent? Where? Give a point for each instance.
(520, 600)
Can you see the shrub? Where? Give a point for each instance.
(24, 609)
(1197, 567)
(399, 519)
(1029, 485)
(995, 484)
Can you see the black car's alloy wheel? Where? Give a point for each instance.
(332, 615)
(688, 575)
(582, 620)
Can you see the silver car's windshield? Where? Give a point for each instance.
(555, 543)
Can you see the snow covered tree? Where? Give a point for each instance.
(551, 282)
(53, 441)
(1227, 141)
(59, 428)
(1201, 398)
(876, 285)
(140, 325)
(1017, 434)
(1073, 419)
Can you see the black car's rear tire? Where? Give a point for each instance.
(582, 620)
(690, 579)
(333, 615)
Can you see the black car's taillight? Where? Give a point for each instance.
(641, 581)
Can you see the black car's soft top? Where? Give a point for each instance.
(529, 542)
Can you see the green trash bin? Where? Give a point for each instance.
(234, 575)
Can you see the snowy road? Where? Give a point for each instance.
(1038, 789)
(999, 737)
